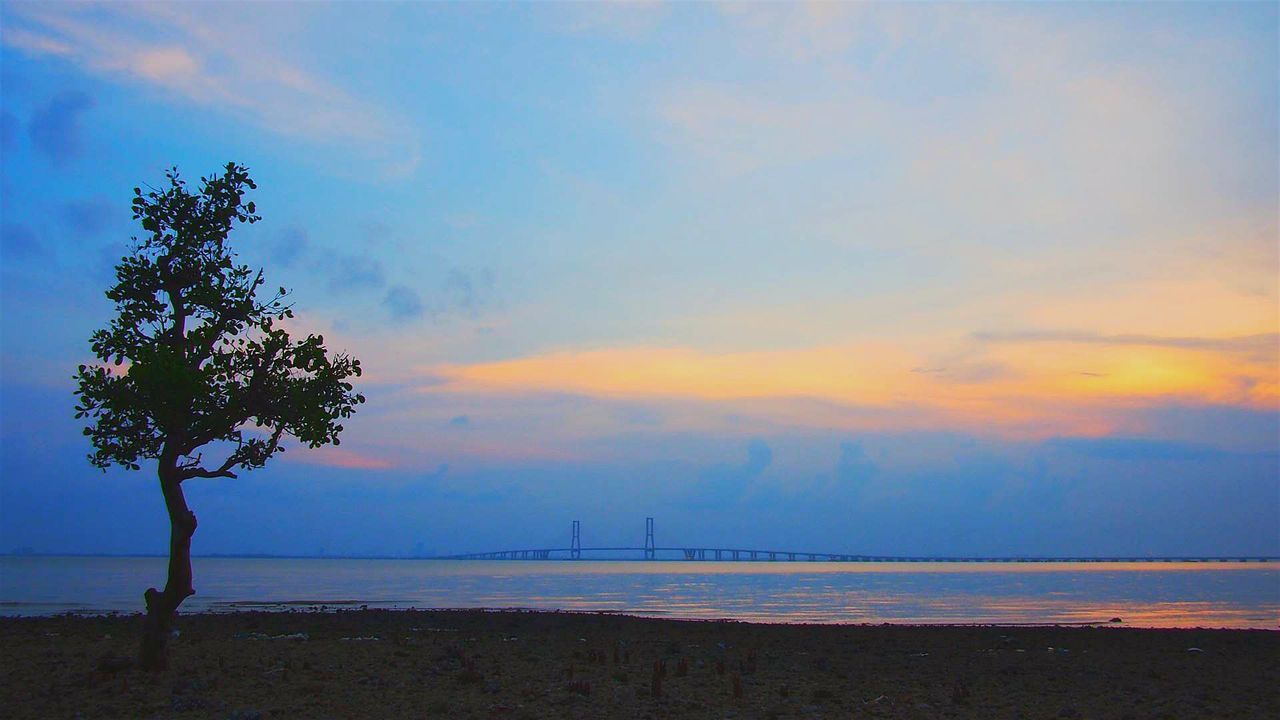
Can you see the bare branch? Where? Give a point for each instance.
(194, 471)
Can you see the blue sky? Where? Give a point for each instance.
(873, 278)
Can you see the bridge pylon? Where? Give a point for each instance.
(575, 545)
(648, 539)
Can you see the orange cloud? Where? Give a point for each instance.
(336, 457)
(1016, 384)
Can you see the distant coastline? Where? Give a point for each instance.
(1226, 559)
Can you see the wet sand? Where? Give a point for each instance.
(472, 664)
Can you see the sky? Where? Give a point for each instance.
(899, 279)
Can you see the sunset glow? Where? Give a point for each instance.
(1050, 384)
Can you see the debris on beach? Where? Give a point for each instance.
(294, 637)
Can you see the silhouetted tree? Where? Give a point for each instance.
(194, 361)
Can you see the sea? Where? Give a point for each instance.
(1140, 594)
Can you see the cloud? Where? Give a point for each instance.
(725, 484)
(628, 21)
(1028, 389)
(1141, 449)
(19, 241)
(168, 65)
(55, 127)
(971, 372)
(89, 217)
(759, 458)
(639, 416)
(330, 456)
(403, 303)
(1261, 344)
(461, 293)
(854, 469)
(9, 127)
(465, 292)
(737, 131)
(807, 31)
(459, 421)
(355, 272)
(290, 246)
(886, 109)
(230, 59)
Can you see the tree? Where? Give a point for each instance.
(194, 362)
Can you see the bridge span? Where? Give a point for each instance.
(650, 551)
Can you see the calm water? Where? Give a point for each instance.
(1242, 595)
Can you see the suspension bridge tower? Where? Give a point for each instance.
(648, 539)
(575, 546)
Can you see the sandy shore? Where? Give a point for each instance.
(469, 664)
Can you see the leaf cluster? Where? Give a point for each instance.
(194, 356)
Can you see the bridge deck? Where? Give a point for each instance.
(748, 554)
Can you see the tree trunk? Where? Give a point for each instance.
(162, 606)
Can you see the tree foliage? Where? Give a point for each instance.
(194, 357)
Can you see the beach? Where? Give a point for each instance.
(488, 664)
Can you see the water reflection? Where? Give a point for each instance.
(1143, 594)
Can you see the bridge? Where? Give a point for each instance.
(650, 551)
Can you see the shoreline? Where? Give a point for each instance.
(288, 607)
(469, 663)
(296, 607)
(340, 606)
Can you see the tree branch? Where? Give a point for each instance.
(245, 454)
(223, 471)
